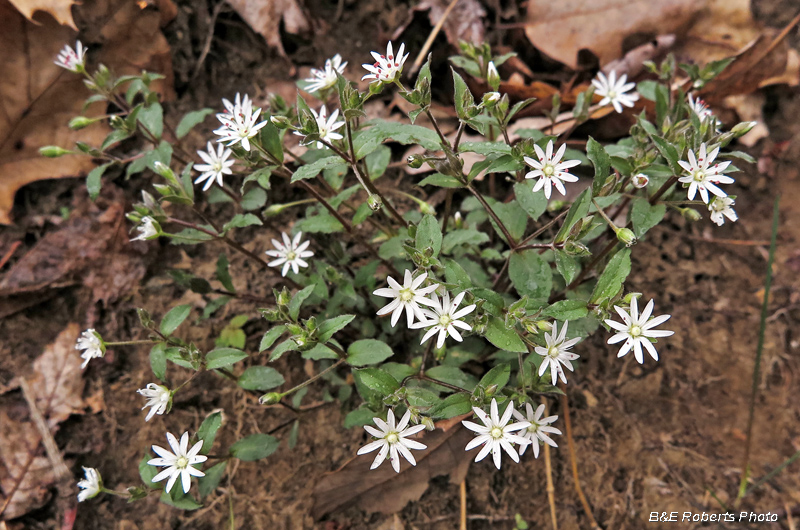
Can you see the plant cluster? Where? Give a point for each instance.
(498, 289)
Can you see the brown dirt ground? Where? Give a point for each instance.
(655, 438)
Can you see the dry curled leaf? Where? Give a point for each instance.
(464, 22)
(383, 490)
(265, 17)
(60, 9)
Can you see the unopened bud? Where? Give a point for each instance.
(626, 236)
(492, 76)
(490, 99)
(281, 122)
(271, 398)
(459, 221)
(640, 181)
(415, 161)
(544, 325)
(490, 390)
(116, 122)
(428, 423)
(690, 214)
(740, 129)
(79, 122)
(273, 209)
(374, 202)
(53, 151)
(630, 296)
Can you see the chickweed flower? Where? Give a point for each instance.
(636, 330)
(216, 165)
(640, 181)
(325, 78)
(91, 486)
(702, 177)
(179, 462)
(148, 229)
(700, 108)
(406, 297)
(496, 433)
(158, 399)
(614, 90)
(240, 126)
(443, 318)
(392, 440)
(557, 353)
(720, 208)
(550, 170)
(539, 429)
(236, 107)
(387, 68)
(290, 254)
(326, 125)
(72, 60)
(92, 345)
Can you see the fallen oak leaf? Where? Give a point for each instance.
(265, 17)
(388, 492)
(60, 9)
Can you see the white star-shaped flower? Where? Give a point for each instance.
(240, 126)
(91, 486)
(147, 229)
(179, 462)
(325, 78)
(636, 329)
(92, 345)
(720, 208)
(443, 318)
(392, 440)
(702, 177)
(539, 429)
(550, 170)
(496, 433)
(387, 67)
(72, 60)
(406, 297)
(158, 399)
(614, 90)
(235, 108)
(557, 353)
(326, 125)
(216, 165)
(290, 254)
(699, 107)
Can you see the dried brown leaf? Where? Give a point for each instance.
(465, 21)
(561, 29)
(60, 9)
(265, 17)
(383, 490)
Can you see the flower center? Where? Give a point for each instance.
(291, 255)
(548, 170)
(612, 94)
(406, 295)
(635, 331)
(552, 351)
(496, 433)
(699, 176)
(392, 438)
(182, 462)
(444, 320)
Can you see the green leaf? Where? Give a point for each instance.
(610, 282)
(147, 472)
(241, 220)
(377, 161)
(280, 349)
(319, 224)
(152, 119)
(568, 266)
(377, 380)
(498, 375)
(190, 121)
(326, 330)
(208, 431)
(503, 338)
(358, 418)
(297, 301)
(114, 137)
(567, 310)
(270, 138)
(443, 181)
(207, 484)
(454, 273)
(260, 378)
(270, 337)
(379, 131)
(452, 406)
(368, 351)
(601, 162)
(254, 199)
(309, 171)
(174, 318)
(421, 398)
(221, 357)
(463, 97)
(535, 204)
(512, 216)
(452, 375)
(486, 148)
(94, 181)
(576, 212)
(254, 447)
(429, 234)
(158, 360)
(223, 275)
(644, 216)
(530, 274)
(669, 153)
(469, 236)
(178, 499)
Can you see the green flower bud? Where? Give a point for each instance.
(492, 77)
(640, 181)
(53, 151)
(428, 423)
(374, 202)
(490, 390)
(270, 398)
(544, 325)
(415, 161)
(740, 129)
(690, 214)
(490, 99)
(626, 236)
(79, 122)
(281, 122)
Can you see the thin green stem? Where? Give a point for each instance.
(314, 378)
(510, 240)
(129, 342)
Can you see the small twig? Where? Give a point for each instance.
(551, 491)
(462, 489)
(510, 240)
(428, 43)
(574, 461)
(7, 256)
